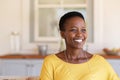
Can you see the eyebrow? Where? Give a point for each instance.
(75, 27)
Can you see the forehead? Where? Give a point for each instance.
(78, 21)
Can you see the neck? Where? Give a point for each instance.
(75, 54)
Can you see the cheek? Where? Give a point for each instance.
(86, 35)
(69, 38)
(70, 35)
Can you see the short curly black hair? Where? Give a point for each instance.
(68, 16)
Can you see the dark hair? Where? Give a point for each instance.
(68, 16)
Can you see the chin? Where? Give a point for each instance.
(78, 47)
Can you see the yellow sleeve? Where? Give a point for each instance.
(47, 70)
(111, 72)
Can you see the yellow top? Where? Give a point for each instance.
(97, 68)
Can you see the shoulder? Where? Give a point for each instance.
(100, 59)
(100, 62)
(106, 65)
(50, 57)
(51, 60)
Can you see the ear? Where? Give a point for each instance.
(62, 33)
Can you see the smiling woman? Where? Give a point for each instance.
(75, 63)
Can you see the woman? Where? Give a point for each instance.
(74, 63)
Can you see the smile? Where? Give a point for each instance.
(79, 40)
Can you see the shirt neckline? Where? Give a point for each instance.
(75, 63)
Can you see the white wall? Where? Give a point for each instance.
(10, 20)
(111, 18)
(106, 25)
(107, 19)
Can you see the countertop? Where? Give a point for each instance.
(42, 57)
(22, 57)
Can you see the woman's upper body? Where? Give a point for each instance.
(97, 68)
(75, 63)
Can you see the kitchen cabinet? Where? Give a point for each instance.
(35, 68)
(20, 67)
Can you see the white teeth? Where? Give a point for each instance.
(80, 40)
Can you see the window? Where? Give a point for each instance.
(45, 14)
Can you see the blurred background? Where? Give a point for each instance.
(30, 27)
(35, 22)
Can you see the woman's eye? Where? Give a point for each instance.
(73, 30)
(83, 30)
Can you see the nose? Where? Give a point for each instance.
(79, 34)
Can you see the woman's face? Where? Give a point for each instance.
(75, 33)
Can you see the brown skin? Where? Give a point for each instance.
(75, 29)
